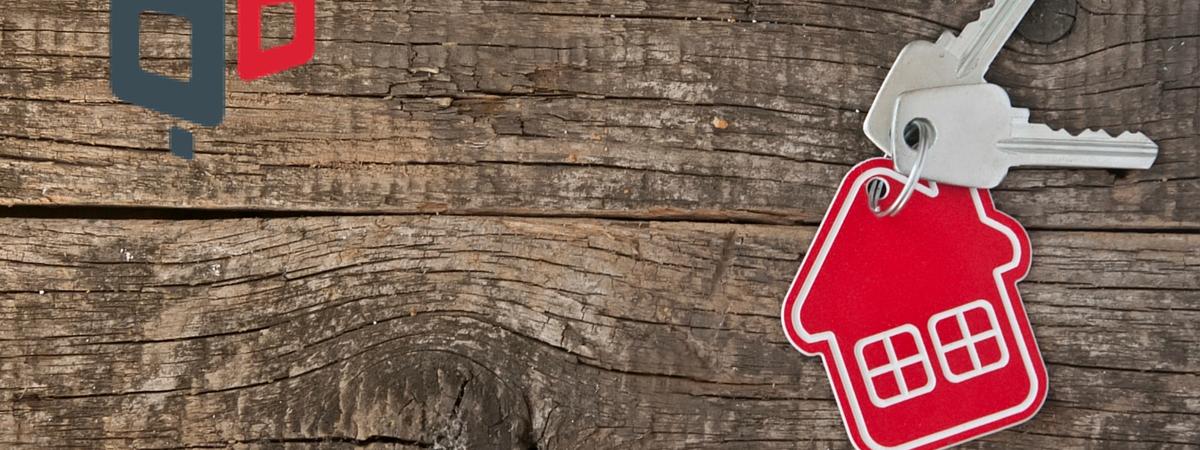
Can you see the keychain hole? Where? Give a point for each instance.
(877, 190)
(916, 132)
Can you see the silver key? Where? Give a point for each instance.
(975, 136)
(952, 61)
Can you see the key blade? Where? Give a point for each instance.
(980, 41)
(1040, 145)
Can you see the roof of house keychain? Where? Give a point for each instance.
(908, 291)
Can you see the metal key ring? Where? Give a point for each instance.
(926, 141)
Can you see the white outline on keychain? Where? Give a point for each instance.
(831, 339)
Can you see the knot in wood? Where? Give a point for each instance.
(1049, 21)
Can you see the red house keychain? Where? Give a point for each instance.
(917, 316)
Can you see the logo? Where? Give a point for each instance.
(201, 99)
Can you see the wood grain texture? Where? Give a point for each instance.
(539, 238)
(513, 333)
(584, 108)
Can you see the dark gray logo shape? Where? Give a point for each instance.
(202, 98)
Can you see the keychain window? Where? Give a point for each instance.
(895, 366)
(968, 341)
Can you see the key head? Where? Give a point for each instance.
(921, 65)
(966, 124)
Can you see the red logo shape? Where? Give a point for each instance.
(253, 61)
(917, 317)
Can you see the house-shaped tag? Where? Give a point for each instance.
(917, 317)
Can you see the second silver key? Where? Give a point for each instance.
(972, 136)
(952, 61)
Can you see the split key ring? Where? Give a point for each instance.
(923, 131)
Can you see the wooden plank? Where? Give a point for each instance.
(479, 332)
(597, 108)
(487, 330)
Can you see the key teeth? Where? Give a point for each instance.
(974, 44)
(949, 36)
(1102, 134)
(1134, 134)
(984, 16)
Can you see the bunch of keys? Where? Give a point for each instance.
(909, 290)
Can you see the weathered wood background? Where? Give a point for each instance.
(513, 224)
